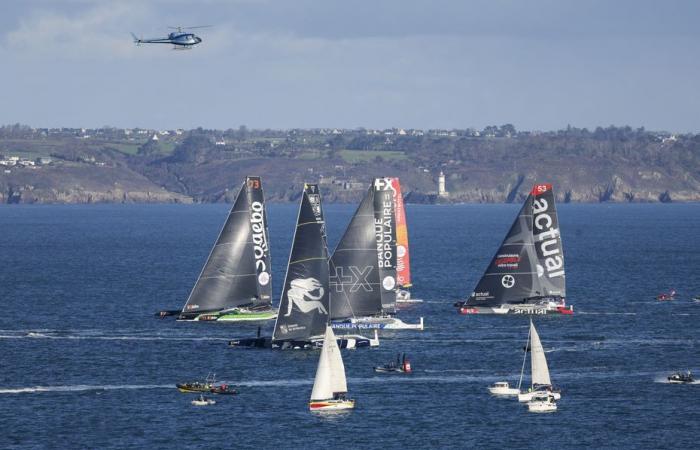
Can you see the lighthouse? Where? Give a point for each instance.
(441, 185)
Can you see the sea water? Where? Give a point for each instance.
(85, 364)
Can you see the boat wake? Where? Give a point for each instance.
(604, 313)
(82, 388)
(664, 380)
(88, 335)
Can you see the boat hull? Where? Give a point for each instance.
(235, 315)
(541, 406)
(391, 370)
(248, 317)
(331, 405)
(377, 323)
(346, 341)
(524, 309)
(504, 392)
(524, 397)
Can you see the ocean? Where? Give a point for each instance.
(85, 364)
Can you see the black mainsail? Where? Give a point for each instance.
(237, 272)
(363, 265)
(529, 264)
(355, 287)
(303, 310)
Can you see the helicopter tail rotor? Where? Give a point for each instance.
(137, 41)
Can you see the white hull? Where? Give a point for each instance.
(410, 301)
(331, 405)
(525, 397)
(541, 406)
(504, 392)
(378, 323)
(350, 340)
(525, 309)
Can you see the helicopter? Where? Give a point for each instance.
(180, 39)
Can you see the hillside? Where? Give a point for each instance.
(497, 164)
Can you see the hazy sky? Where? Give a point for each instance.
(350, 63)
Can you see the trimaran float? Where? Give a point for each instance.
(304, 304)
(235, 283)
(526, 276)
(364, 265)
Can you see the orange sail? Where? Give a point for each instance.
(403, 266)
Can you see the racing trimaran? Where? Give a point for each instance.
(526, 275)
(364, 265)
(235, 282)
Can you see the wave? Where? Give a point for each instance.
(82, 388)
(603, 313)
(106, 337)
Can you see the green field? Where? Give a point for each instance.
(354, 156)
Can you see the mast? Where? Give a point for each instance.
(540, 371)
(527, 347)
(403, 263)
(303, 310)
(385, 233)
(355, 286)
(232, 275)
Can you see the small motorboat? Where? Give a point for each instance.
(542, 403)
(681, 378)
(696, 298)
(502, 388)
(223, 389)
(198, 386)
(401, 365)
(665, 296)
(203, 401)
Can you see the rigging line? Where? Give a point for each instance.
(307, 259)
(522, 370)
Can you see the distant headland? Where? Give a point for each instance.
(494, 165)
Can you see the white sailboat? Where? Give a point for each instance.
(330, 387)
(541, 384)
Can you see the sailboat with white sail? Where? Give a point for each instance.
(526, 275)
(541, 384)
(304, 304)
(330, 386)
(403, 259)
(235, 283)
(363, 266)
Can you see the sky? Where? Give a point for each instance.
(539, 64)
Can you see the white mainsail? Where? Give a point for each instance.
(540, 371)
(330, 374)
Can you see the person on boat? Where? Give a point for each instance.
(339, 396)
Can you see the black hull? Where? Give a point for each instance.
(268, 343)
